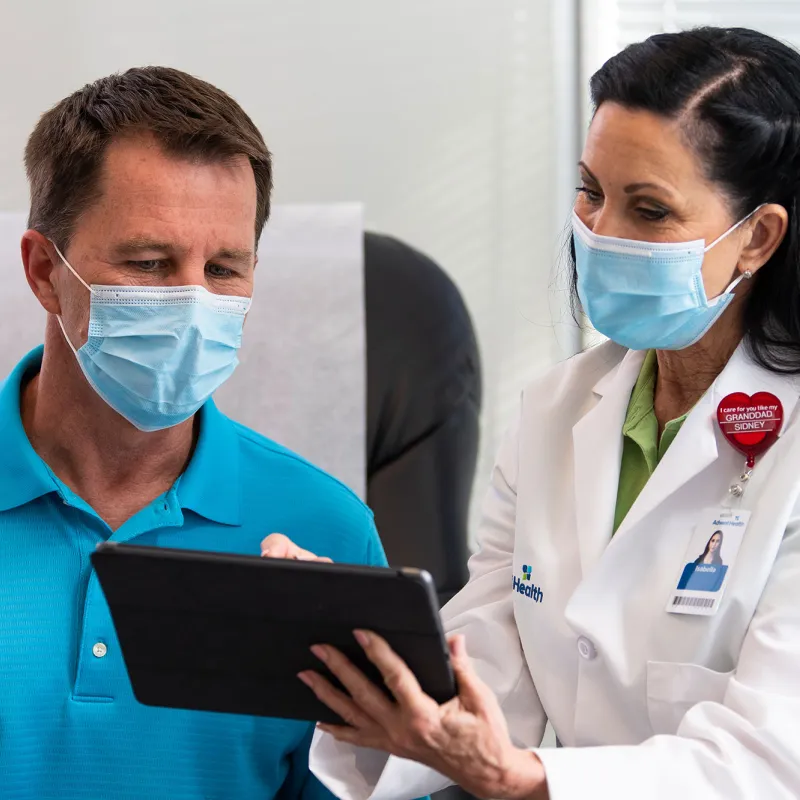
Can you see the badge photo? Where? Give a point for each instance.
(708, 561)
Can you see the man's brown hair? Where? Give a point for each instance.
(188, 117)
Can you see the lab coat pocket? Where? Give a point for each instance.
(672, 689)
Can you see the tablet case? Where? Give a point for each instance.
(217, 632)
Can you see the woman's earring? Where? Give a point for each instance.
(747, 274)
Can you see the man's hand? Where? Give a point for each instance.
(276, 545)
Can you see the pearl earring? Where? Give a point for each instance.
(747, 274)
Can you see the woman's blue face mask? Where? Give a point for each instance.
(156, 354)
(647, 295)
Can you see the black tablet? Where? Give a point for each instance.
(218, 632)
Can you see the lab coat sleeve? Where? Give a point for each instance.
(747, 746)
(483, 612)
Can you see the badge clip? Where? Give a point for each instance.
(737, 489)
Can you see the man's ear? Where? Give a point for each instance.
(40, 259)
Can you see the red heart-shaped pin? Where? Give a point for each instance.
(750, 424)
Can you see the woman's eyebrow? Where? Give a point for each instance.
(636, 187)
(586, 169)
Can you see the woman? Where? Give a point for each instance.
(711, 554)
(615, 460)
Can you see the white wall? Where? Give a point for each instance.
(449, 119)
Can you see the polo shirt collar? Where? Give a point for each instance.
(210, 486)
(23, 475)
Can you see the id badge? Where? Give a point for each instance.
(705, 568)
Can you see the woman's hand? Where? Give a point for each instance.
(276, 545)
(465, 739)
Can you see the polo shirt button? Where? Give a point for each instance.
(99, 650)
(586, 648)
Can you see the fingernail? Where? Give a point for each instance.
(266, 552)
(362, 637)
(459, 646)
(320, 652)
(305, 677)
(323, 727)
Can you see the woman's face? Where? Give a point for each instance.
(639, 180)
(713, 545)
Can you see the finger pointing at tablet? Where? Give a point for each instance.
(276, 545)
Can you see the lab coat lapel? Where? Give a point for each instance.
(597, 446)
(699, 441)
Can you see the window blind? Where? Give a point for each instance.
(638, 19)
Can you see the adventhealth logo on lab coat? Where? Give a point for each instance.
(525, 588)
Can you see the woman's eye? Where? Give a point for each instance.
(653, 214)
(593, 197)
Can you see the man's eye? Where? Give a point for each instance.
(218, 271)
(148, 266)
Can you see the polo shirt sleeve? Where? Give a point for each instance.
(374, 554)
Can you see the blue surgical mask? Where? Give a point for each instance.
(647, 295)
(156, 354)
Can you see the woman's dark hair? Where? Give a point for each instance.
(737, 94)
(717, 557)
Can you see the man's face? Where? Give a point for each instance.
(161, 221)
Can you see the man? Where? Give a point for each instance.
(149, 191)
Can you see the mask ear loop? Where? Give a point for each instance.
(69, 266)
(64, 331)
(730, 230)
(58, 316)
(746, 275)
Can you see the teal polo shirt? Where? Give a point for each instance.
(69, 724)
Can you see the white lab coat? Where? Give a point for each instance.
(647, 704)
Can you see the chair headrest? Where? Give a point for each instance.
(302, 374)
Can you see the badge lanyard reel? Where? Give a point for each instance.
(751, 425)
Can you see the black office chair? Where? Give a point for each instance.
(423, 404)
